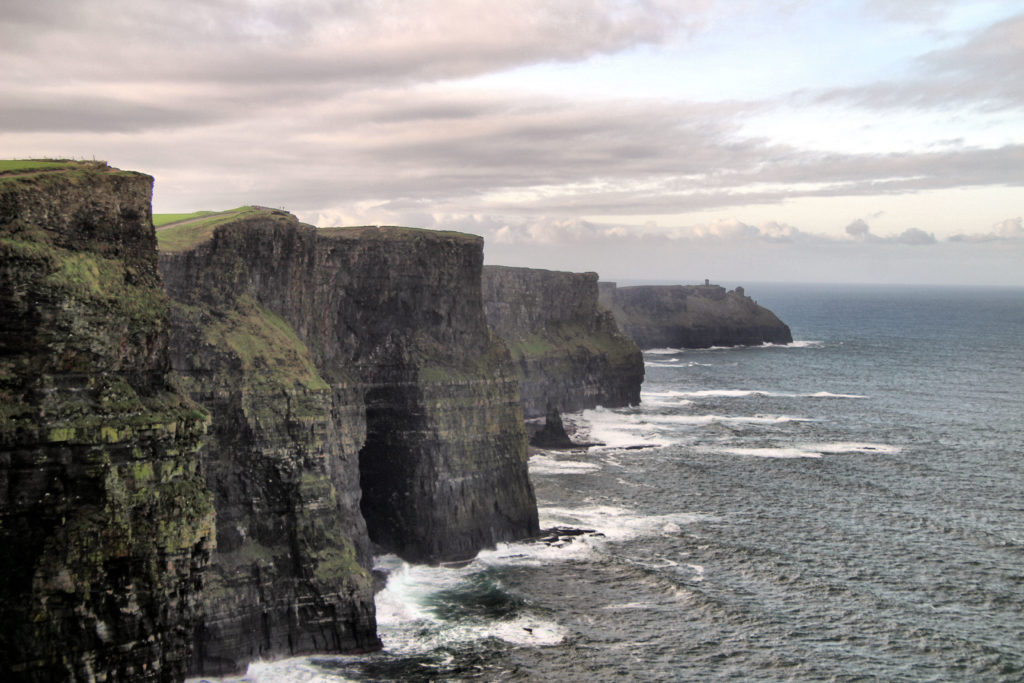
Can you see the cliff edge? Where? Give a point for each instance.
(692, 316)
(567, 349)
(393, 321)
(105, 519)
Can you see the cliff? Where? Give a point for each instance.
(290, 574)
(692, 316)
(393, 322)
(567, 349)
(105, 520)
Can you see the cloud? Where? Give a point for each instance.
(973, 74)
(272, 44)
(858, 229)
(915, 236)
(1009, 229)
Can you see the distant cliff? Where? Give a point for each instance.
(568, 352)
(379, 371)
(105, 520)
(692, 316)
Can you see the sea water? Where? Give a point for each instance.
(846, 507)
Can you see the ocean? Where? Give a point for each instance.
(849, 507)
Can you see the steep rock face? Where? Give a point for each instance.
(393, 320)
(568, 351)
(692, 316)
(290, 572)
(105, 520)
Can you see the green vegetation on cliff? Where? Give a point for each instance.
(106, 520)
(181, 232)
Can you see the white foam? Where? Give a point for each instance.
(543, 464)
(408, 626)
(295, 669)
(649, 364)
(664, 351)
(777, 452)
(855, 447)
(742, 393)
(814, 450)
(701, 420)
(617, 523)
(620, 430)
(621, 606)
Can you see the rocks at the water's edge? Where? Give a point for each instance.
(550, 433)
(347, 371)
(567, 350)
(692, 316)
(106, 522)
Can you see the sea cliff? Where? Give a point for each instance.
(105, 519)
(567, 349)
(377, 393)
(692, 316)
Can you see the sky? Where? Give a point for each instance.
(737, 140)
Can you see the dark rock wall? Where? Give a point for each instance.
(105, 519)
(692, 316)
(393, 318)
(568, 351)
(290, 572)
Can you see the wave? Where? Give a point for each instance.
(419, 609)
(742, 393)
(773, 452)
(544, 464)
(856, 447)
(796, 344)
(618, 523)
(701, 420)
(618, 431)
(634, 431)
(292, 670)
(812, 450)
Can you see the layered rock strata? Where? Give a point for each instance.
(105, 518)
(393, 322)
(692, 316)
(568, 351)
(290, 574)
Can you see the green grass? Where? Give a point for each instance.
(394, 232)
(191, 233)
(268, 348)
(161, 219)
(25, 165)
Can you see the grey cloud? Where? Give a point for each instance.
(456, 149)
(915, 237)
(858, 229)
(1009, 229)
(980, 72)
(96, 115)
(315, 41)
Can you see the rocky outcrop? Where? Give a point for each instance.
(568, 351)
(393, 322)
(692, 316)
(105, 519)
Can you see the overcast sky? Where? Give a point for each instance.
(739, 140)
